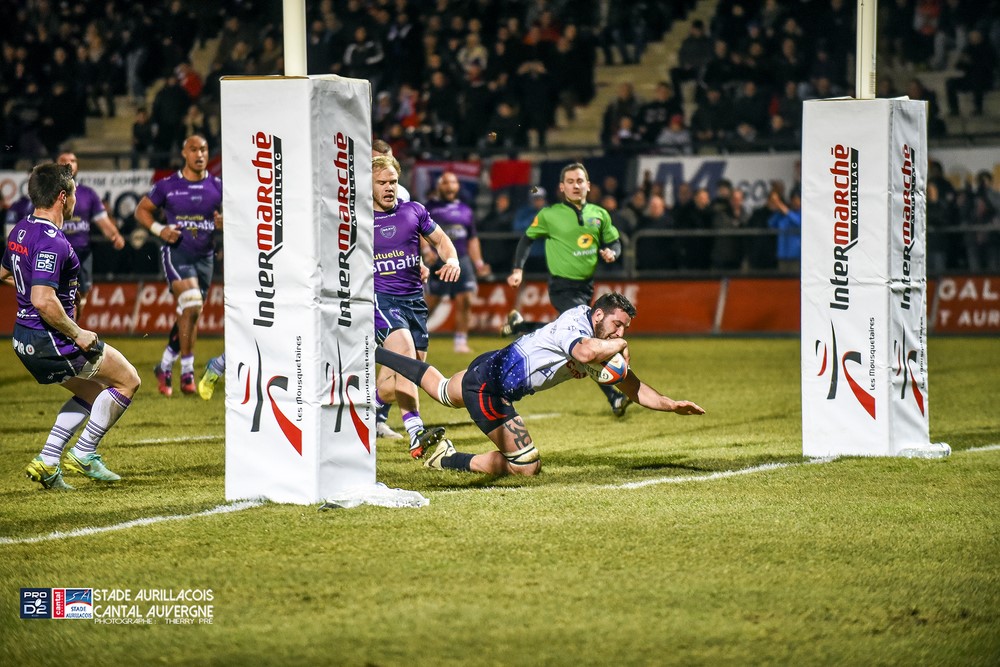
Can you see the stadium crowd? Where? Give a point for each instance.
(453, 78)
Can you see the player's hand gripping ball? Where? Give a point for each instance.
(611, 371)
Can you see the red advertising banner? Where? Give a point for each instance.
(961, 305)
(968, 304)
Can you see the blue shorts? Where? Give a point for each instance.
(49, 356)
(483, 400)
(179, 265)
(401, 312)
(466, 280)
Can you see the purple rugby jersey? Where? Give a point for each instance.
(190, 207)
(457, 220)
(397, 248)
(89, 208)
(38, 253)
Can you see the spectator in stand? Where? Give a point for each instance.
(915, 90)
(761, 249)
(675, 139)
(957, 18)
(536, 93)
(626, 218)
(505, 128)
(610, 33)
(270, 57)
(189, 80)
(751, 107)
(729, 252)
(789, 107)
(977, 62)
(626, 140)
(523, 217)
(723, 71)
(939, 218)
(169, 108)
(695, 52)
(477, 104)
(786, 217)
(695, 251)
(712, 121)
(625, 104)
(780, 137)
(982, 246)
(195, 122)
(655, 115)
(233, 32)
(501, 215)
(363, 58)
(926, 15)
(630, 215)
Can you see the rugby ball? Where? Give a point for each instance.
(611, 371)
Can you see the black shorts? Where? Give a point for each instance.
(565, 293)
(483, 399)
(401, 312)
(179, 265)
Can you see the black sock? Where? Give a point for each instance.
(458, 461)
(174, 342)
(609, 391)
(412, 369)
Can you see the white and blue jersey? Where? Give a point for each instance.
(541, 359)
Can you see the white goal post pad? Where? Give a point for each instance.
(300, 339)
(864, 287)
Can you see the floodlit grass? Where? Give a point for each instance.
(855, 561)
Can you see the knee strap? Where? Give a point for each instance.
(443, 397)
(189, 299)
(523, 456)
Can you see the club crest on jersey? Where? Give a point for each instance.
(388, 231)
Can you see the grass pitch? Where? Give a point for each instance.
(854, 561)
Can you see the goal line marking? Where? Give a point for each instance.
(82, 532)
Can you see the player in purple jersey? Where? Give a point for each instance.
(559, 351)
(191, 200)
(458, 221)
(400, 309)
(89, 210)
(41, 265)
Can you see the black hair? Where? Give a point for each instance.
(614, 301)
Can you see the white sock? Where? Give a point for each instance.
(72, 414)
(108, 408)
(168, 359)
(187, 364)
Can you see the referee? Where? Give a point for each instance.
(576, 234)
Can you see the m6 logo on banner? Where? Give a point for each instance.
(864, 287)
(299, 287)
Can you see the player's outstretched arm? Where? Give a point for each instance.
(647, 397)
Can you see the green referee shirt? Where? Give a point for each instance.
(572, 240)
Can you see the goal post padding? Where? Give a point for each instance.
(296, 160)
(864, 287)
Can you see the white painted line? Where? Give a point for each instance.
(680, 479)
(984, 448)
(83, 532)
(190, 438)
